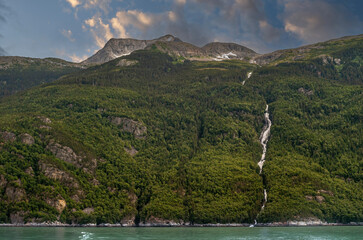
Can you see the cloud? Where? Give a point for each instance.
(134, 19)
(89, 4)
(318, 20)
(74, 3)
(61, 53)
(68, 35)
(100, 31)
(101, 4)
(77, 59)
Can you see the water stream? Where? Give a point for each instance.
(264, 138)
(265, 134)
(249, 74)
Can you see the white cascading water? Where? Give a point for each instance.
(264, 139)
(249, 74)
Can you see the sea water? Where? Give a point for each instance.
(200, 233)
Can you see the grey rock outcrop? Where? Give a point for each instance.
(131, 126)
(8, 136)
(88, 210)
(320, 199)
(3, 181)
(132, 151)
(306, 91)
(55, 173)
(45, 120)
(128, 221)
(27, 139)
(64, 153)
(17, 217)
(15, 194)
(29, 171)
(155, 221)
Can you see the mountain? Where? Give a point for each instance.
(171, 45)
(115, 48)
(20, 73)
(311, 51)
(152, 139)
(216, 49)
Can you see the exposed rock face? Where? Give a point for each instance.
(29, 171)
(3, 181)
(132, 151)
(326, 59)
(64, 153)
(58, 204)
(306, 91)
(133, 199)
(17, 218)
(55, 173)
(128, 221)
(309, 198)
(45, 120)
(320, 199)
(313, 221)
(115, 48)
(155, 221)
(27, 139)
(131, 126)
(15, 194)
(8, 136)
(88, 210)
(322, 191)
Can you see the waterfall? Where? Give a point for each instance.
(264, 138)
(265, 134)
(249, 74)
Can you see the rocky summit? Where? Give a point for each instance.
(171, 45)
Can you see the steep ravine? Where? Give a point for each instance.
(265, 134)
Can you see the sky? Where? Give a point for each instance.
(76, 29)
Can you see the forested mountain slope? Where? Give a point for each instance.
(147, 138)
(21, 73)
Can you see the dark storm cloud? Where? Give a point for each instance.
(319, 20)
(223, 20)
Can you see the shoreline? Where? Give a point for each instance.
(153, 225)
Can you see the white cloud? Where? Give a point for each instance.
(141, 22)
(68, 35)
(77, 59)
(101, 4)
(61, 53)
(100, 31)
(74, 3)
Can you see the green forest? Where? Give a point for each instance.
(168, 139)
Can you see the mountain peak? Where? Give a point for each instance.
(118, 47)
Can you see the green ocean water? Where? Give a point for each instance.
(225, 233)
